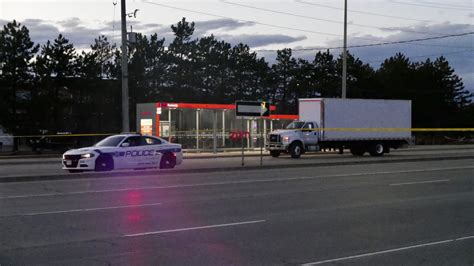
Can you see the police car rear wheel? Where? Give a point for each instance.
(104, 163)
(168, 161)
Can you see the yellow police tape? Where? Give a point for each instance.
(220, 131)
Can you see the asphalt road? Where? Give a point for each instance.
(410, 213)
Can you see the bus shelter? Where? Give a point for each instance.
(206, 127)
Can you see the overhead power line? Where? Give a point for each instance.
(363, 12)
(279, 26)
(325, 20)
(249, 21)
(376, 44)
(432, 6)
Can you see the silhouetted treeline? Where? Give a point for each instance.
(53, 87)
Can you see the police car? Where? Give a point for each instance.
(124, 151)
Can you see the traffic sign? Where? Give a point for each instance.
(252, 109)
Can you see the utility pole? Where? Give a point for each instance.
(344, 54)
(125, 112)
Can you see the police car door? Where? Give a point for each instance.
(131, 153)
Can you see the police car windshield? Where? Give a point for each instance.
(111, 141)
(295, 125)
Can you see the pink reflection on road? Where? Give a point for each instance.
(215, 245)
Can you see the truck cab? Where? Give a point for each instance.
(298, 137)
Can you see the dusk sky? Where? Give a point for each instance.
(270, 25)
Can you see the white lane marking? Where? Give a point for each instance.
(238, 182)
(87, 210)
(388, 251)
(421, 182)
(193, 228)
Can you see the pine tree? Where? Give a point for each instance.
(16, 54)
(57, 67)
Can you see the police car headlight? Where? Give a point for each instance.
(87, 155)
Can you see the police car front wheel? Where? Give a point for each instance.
(104, 163)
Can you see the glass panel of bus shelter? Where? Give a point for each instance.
(231, 127)
(219, 136)
(206, 120)
(258, 133)
(253, 130)
(184, 133)
(234, 131)
(164, 124)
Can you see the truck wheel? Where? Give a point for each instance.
(357, 151)
(296, 149)
(104, 163)
(168, 161)
(275, 153)
(376, 149)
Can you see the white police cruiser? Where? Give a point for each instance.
(124, 151)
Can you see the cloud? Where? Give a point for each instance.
(219, 24)
(259, 40)
(70, 23)
(152, 25)
(430, 29)
(42, 30)
(3, 22)
(82, 33)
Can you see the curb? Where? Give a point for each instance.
(218, 169)
(5, 161)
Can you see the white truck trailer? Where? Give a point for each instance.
(360, 125)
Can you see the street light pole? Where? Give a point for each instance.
(344, 54)
(125, 112)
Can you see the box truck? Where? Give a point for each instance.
(360, 125)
